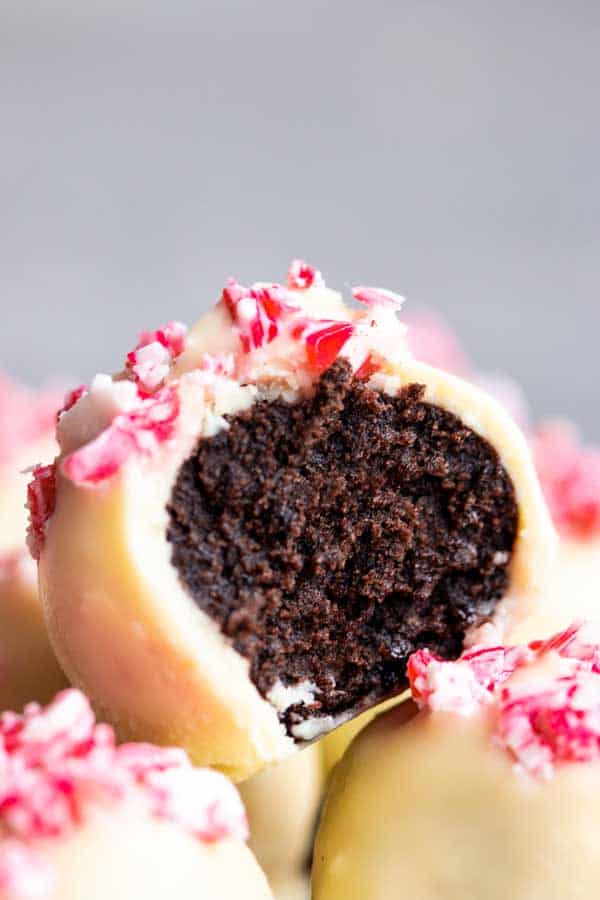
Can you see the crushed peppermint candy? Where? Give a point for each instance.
(324, 345)
(463, 685)
(171, 336)
(56, 763)
(208, 807)
(41, 499)
(302, 276)
(570, 477)
(264, 312)
(150, 365)
(260, 315)
(258, 312)
(140, 430)
(71, 398)
(553, 718)
(378, 298)
(151, 360)
(221, 365)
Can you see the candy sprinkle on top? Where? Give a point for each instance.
(543, 722)
(151, 360)
(134, 414)
(137, 431)
(258, 312)
(71, 398)
(263, 313)
(378, 298)
(570, 477)
(41, 499)
(302, 276)
(57, 764)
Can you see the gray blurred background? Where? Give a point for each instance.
(449, 151)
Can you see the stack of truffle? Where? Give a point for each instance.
(254, 535)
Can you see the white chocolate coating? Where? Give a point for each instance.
(572, 591)
(123, 626)
(28, 667)
(296, 887)
(125, 855)
(282, 804)
(427, 807)
(334, 745)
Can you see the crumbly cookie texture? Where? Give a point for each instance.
(568, 469)
(482, 785)
(186, 532)
(71, 799)
(569, 472)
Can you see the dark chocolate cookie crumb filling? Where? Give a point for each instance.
(333, 537)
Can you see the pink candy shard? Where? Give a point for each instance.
(138, 431)
(461, 686)
(71, 398)
(41, 499)
(171, 336)
(367, 368)
(202, 801)
(150, 365)
(262, 312)
(541, 728)
(56, 763)
(378, 298)
(258, 311)
(572, 643)
(151, 360)
(541, 723)
(301, 276)
(217, 365)
(324, 345)
(570, 477)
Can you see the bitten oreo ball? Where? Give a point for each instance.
(253, 526)
(331, 537)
